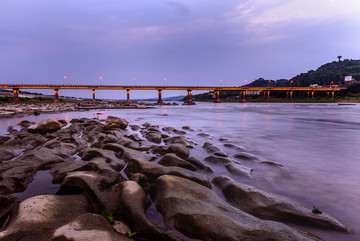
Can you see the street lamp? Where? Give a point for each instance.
(291, 81)
(134, 80)
(269, 82)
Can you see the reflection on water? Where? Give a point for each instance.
(318, 144)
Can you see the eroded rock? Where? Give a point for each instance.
(172, 159)
(45, 126)
(210, 148)
(115, 122)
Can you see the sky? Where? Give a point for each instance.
(169, 42)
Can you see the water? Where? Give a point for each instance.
(317, 144)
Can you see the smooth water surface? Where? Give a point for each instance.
(317, 144)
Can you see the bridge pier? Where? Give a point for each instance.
(56, 99)
(333, 94)
(189, 98)
(291, 93)
(93, 99)
(159, 102)
(308, 94)
(242, 96)
(328, 94)
(217, 96)
(127, 96)
(16, 96)
(266, 95)
(312, 94)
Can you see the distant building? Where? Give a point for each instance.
(253, 92)
(349, 80)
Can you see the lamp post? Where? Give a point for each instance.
(291, 81)
(65, 77)
(269, 83)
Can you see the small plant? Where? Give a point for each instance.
(129, 235)
(108, 215)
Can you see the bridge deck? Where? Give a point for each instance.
(138, 87)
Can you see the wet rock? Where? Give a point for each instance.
(173, 130)
(9, 152)
(142, 180)
(93, 186)
(38, 217)
(224, 139)
(199, 165)
(135, 127)
(4, 139)
(154, 137)
(110, 157)
(179, 149)
(126, 153)
(88, 226)
(187, 128)
(134, 137)
(218, 160)
(25, 123)
(132, 206)
(7, 203)
(172, 159)
(199, 213)
(153, 170)
(179, 140)
(45, 126)
(210, 148)
(233, 146)
(43, 158)
(63, 123)
(60, 170)
(61, 149)
(246, 156)
(239, 170)
(272, 206)
(207, 135)
(16, 175)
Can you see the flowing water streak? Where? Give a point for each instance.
(318, 144)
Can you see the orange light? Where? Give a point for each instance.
(292, 81)
(220, 80)
(245, 80)
(269, 81)
(100, 77)
(65, 77)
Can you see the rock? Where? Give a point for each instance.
(121, 227)
(25, 123)
(179, 149)
(42, 157)
(132, 206)
(179, 140)
(218, 160)
(135, 127)
(207, 135)
(110, 157)
(7, 203)
(88, 226)
(9, 152)
(272, 206)
(4, 139)
(38, 217)
(233, 146)
(61, 149)
(134, 137)
(246, 156)
(153, 170)
(16, 175)
(45, 126)
(199, 213)
(224, 139)
(126, 153)
(173, 130)
(115, 122)
(142, 180)
(238, 169)
(172, 159)
(60, 170)
(63, 123)
(154, 137)
(186, 128)
(210, 148)
(199, 165)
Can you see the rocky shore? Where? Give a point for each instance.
(129, 182)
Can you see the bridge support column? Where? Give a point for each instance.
(333, 94)
(160, 102)
(189, 98)
(56, 99)
(328, 94)
(308, 94)
(217, 96)
(93, 99)
(127, 96)
(16, 96)
(287, 94)
(242, 96)
(266, 95)
(312, 94)
(291, 92)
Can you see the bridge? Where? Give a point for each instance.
(242, 90)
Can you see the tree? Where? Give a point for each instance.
(339, 57)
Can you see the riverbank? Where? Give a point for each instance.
(112, 174)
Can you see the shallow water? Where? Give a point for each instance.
(317, 144)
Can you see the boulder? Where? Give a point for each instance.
(16, 175)
(199, 213)
(154, 170)
(272, 206)
(246, 156)
(126, 153)
(179, 140)
(233, 146)
(38, 217)
(199, 165)
(218, 160)
(7, 203)
(132, 207)
(142, 180)
(115, 122)
(135, 127)
(61, 149)
(179, 149)
(45, 126)
(239, 169)
(153, 137)
(4, 139)
(42, 157)
(210, 148)
(88, 226)
(172, 159)
(60, 170)
(9, 152)
(110, 157)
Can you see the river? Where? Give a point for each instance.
(317, 144)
